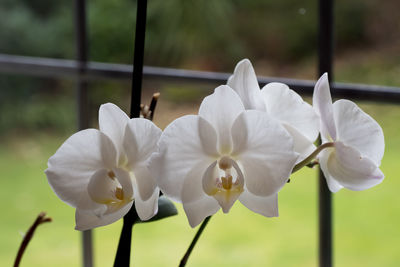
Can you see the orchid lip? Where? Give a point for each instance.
(105, 188)
(225, 183)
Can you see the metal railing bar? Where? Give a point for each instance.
(82, 103)
(325, 64)
(65, 68)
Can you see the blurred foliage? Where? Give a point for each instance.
(35, 104)
(202, 31)
(212, 34)
(209, 35)
(37, 28)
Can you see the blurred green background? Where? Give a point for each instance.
(279, 37)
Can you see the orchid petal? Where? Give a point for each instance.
(86, 203)
(86, 220)
(288, 107)
(140, 140)
(350, 169)
(192, 188)
(208, 137)
(322, 102)
(196, 203)
(333, 185)
(125, 181)
(209, 177)
(301, 144)
(145, 181)
(266, 206)
(323, 157)
(196, 211)
(357, 129)
(112, 122)
(265, 152)
(147, 209)
(78, 158)
(220, 109)
(180, 148)
(244, 82)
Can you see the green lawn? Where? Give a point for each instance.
(366, 224)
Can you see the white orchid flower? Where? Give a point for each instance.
(279, 102)
(100, 173)
(358, 143)
(225, 153)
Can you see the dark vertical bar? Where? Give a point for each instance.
(325, 57)
(138, 58)
(123, 255)
(122, 258)
(82, 104)
(325, 38)
(81, 48)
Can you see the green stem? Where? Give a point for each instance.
(307, 160)
(194, 241)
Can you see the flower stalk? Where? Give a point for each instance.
(194, 241)
(308, 160)
(148, 111)
(122, 258)
(41, 218)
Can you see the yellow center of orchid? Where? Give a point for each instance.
(119, 193)
(225, 183)
(111, 174)
(105, 188)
